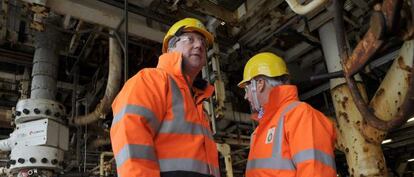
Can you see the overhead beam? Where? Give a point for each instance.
(106, 15)
(360, 4)
(315, 22)
(19, 58)
(250, 8)
(309, 59)
(315, 91)
(141, 3)
(18, 77)
(296, 51)
(214, 10)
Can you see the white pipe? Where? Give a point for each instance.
(305, 9)
(6, 144)
(225, 150)
(112, 87)
(102, 162)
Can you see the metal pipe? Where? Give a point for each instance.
(396, 85)
(231, 141)
(45, 63)
(382, 22)
(339, 27)
(112, 87)
(102, 161)
(364, 50)
(409, 34)
(281, 29)
(232, 135)
(240, 162)
(121, 44)
(240, 150)
(74, 91)
(88, 42)
(126, 75)
(327, 76)
(225, 150)
(99, 142)
(305, 9)
(364, 157)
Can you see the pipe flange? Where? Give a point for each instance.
(36, 157)
(33, 109)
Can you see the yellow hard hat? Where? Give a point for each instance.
(265, 63)
(187, 25)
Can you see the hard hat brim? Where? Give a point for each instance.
(209, 37)
(243, 83)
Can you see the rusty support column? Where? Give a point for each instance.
(391, 94)
(364, 158)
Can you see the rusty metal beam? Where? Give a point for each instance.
(382, 22)
(364, 50)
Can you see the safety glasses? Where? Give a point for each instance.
(249, 86)
(192, 40)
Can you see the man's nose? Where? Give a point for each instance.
(199, 43)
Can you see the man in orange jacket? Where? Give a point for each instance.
(159, 127)
(292, 138)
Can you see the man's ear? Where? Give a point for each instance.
(261, 84)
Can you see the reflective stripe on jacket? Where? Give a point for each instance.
(292, 139)
(158, 128)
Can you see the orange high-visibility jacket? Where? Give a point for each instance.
(292, 139)
(159, 129)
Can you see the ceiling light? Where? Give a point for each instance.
(410, 160)
(386, 141)
(411, 119)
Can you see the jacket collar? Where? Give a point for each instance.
(279, 96)
(171, 62)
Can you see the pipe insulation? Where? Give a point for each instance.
(45, 63)
(112, 87)
(300, 9)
